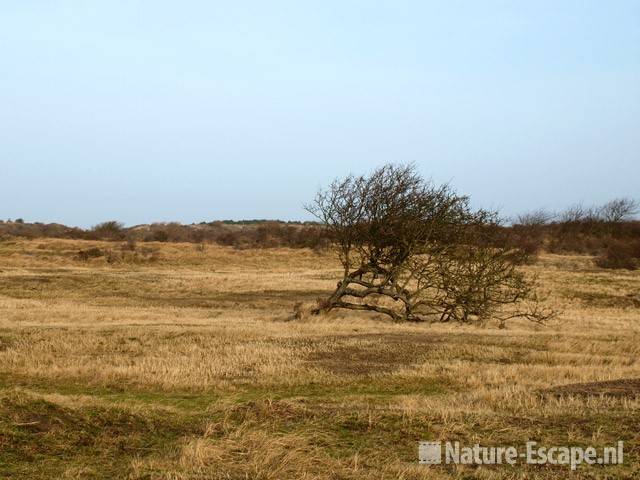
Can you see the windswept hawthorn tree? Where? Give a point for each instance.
(418, 252)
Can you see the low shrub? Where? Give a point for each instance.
(110, 230)
(620, 255)
(94, 252)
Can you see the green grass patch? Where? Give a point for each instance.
(42, 439)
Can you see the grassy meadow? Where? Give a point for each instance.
(181, 361)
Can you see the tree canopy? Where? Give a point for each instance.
(417, 251)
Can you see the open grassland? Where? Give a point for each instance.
(186, 363)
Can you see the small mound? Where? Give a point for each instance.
(624, 387)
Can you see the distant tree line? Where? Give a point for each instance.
(239, 234)
(609, 231)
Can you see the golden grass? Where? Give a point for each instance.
(196, 361)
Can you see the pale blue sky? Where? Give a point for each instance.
(154, 110)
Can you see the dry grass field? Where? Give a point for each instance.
(184, 362)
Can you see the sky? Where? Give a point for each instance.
(191, 111)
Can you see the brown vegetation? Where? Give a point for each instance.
(612, 388)
(191, 367)
(255, 234)
(608, 232)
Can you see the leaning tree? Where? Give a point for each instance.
(418, 252)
